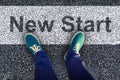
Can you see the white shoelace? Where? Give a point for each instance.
(76, 48)
(35, 48)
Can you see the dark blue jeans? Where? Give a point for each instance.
(75, 68)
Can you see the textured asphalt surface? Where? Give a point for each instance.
(60, 2)
(102, 61)
(16, 62)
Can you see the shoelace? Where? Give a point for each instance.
(35, 48)
(76, 47)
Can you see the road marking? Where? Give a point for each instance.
(56, 13)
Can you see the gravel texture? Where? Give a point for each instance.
(100, 55)
(101, 60)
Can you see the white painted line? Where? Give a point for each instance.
(101, 24)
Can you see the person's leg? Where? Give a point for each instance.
(75, 67)
(43, 68)
(74, 64)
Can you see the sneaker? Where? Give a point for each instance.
(77, 42)
(32, 43)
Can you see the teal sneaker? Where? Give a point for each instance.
(77, 42)
(32, 43)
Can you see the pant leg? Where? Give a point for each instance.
(43, 68)
(75, 67)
